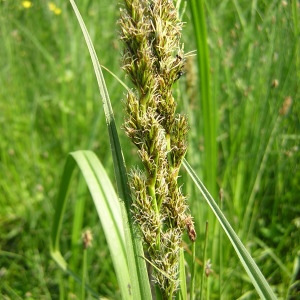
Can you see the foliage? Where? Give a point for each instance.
(49, 106)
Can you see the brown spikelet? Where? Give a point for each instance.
(287, 103)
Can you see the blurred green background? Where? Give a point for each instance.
(50, 106)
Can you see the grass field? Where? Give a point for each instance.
(50, 106)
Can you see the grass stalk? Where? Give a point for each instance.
(84, 274)
(204, 288)
(221, 250)
(208, 104)
(193, 272)
(295, 13)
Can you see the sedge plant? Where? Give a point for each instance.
(153, 59)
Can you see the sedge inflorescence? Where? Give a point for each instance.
(153, 59)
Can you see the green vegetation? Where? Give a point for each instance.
(50, 106)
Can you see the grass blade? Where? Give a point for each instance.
(137, 266)
(111, 126)
(257, 278)
(107, 205)
(182, 294)
(208, 104)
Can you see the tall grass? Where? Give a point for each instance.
(50, 106)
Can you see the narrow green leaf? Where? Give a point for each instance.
(182, 294)
(193, 272)
(257, 278)
(140, 285)
(208, 103)
(107, 205)
(59, 212)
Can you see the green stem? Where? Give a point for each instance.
(192, 288)
(84, 272)
(170, 295)
(204, 261)
(208, 104)
(168, 141)
(151, 192)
